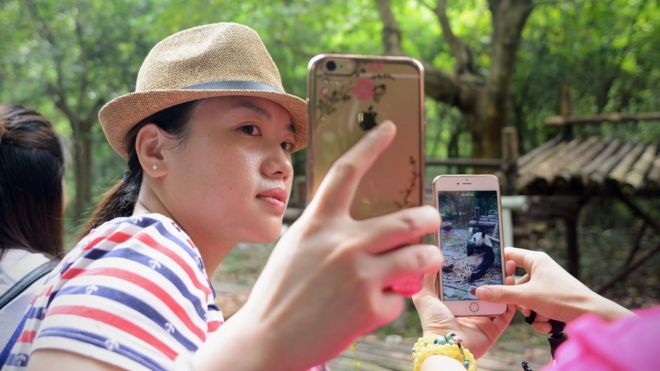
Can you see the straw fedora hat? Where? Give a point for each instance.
(215, 60)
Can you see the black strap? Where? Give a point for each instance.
(26, 282)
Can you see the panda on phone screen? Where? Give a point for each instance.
(480, 247)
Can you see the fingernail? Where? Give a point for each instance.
(483, 291)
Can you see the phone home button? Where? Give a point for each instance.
(474, 307)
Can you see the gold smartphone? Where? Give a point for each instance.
(470, 239)
(349, 95)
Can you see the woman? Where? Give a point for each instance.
(208, 136)
(31, 209)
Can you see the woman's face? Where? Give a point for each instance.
(229, 179)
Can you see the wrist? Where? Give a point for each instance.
(225, 349)
(607, 309)
(430, 352)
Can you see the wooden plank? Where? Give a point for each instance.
(526, 174)
(618, 174)
(562, 172)
(597, 178)
(635, 178)
(597, 119)
(544, 172)
(602, 157)
(531, 155)
(653, 179)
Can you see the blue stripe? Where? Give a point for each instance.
(101, 342)
(134, 303)
(95, 254)
(131, 254)
(233, 85)
(146, 222)
(36, 312)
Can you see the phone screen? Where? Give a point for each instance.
(470, 242)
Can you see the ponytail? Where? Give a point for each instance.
(120, 200)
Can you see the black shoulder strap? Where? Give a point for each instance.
(26, 282)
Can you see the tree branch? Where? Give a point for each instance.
(47, 34)
(460, 50)
(444, 88)
(391, 30)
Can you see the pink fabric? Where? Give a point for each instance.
(630, 343)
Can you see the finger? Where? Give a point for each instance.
(521, 257)
(508, 280)
(406, 262)
(510, 267)
(542, 318)
(335, 194)
(502, 321)
(523, 279)
(542, 327)
(524, 310)
(516, 294)
(405, 226)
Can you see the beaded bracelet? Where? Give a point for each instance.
(448, 345)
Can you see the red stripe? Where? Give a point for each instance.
(150, 286)
(115, 321)
(213, 325)
(149, 241)
(93, 243)
(119, 237)
(71, 273)
(26, 337)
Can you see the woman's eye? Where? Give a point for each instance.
(287, 146)
(250, 130)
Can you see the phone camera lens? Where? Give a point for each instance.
(331, 65)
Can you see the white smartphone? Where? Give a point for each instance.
(470, 238)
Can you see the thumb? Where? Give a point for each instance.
(502, 294)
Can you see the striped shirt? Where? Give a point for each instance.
(133, 293)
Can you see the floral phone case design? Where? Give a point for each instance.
(349, 95)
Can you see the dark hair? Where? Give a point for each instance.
(31, 191)
(121, 198)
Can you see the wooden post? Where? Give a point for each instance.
(510, 154)
(572, 246)
(565, 109)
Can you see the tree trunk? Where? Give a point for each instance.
(483, 101)
(83, 166)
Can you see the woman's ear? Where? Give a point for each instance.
(149, 145)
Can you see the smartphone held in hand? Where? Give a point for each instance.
(349, 95)
(470, 238)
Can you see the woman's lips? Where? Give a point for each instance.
(274, 199)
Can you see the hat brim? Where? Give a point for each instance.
(119, 115)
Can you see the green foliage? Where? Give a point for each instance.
(605, 50)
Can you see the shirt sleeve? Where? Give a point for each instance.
(626, 344)
(135, 300)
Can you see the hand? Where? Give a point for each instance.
(478, 333)
(330, 277)
(548, 290)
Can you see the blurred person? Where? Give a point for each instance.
(31, 209)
